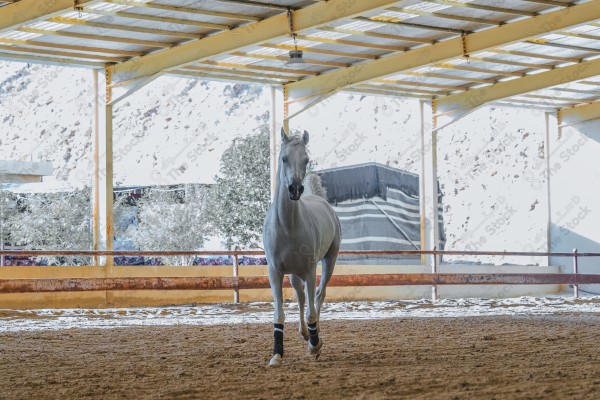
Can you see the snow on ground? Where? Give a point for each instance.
(220, 314)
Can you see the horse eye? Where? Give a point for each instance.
(284, 159)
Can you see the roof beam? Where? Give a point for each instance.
(57, 54)
(395, 22)
(551, 2)
(49, 45)
(344, 42)
(420, 13)
(29, 58)
(285, 58)
(111, 39)
(454, 3)
(513, 63)
(23, 12)
(579, 114)
(156, 18)
(422, 84)
(261, 68)
(259, 4)
(450, 77)
(385, 92)
(227, 78)
(447, 49)
(543, 42)
(474, 98)
(377, 35)
(189, 10)
(461, 67)
(536, 55)
(311, 49)
(222, 71)
(124, 28)
(252, 34)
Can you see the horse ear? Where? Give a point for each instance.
(305, 137)
(284, 136)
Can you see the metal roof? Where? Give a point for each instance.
(459, 53)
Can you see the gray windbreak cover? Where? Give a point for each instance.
(378, 207)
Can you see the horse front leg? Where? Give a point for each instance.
(312, 317)
(276, 280)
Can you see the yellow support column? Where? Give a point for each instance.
(428, 188)
(276, 101)
(103, 169)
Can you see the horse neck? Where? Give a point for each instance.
(286, 210)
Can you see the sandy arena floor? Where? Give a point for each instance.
(477, 357)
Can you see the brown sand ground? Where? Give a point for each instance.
(552, 357)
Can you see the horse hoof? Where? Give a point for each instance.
(275, 361)
(304, 334)
(315, 350)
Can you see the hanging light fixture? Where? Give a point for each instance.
(295, 56)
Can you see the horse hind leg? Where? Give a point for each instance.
(328, 264)
(312, 317)
(298, 285)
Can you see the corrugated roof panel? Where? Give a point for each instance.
(394, 30)
(593, 45)
(556, 92)
(17, 35)
(418, 23)
(87, 42)
(141, 11)
(167, 40)
(232, 8)
(328, 47)
(434, 80)
(109, 7)
(182, 15)
(483, 14)
(116, 20)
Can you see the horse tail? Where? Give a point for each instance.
(315, 186)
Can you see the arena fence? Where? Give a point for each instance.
(237, 283)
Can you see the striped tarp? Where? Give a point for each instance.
(378, 207)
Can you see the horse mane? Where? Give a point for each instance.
(315, 186)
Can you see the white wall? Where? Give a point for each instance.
(491, 171)
(575, 196)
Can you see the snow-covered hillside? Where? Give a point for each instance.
(175, 130)
(172, 131)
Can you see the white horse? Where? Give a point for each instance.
(298, 232)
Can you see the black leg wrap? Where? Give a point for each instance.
(313, 334)
(278, 336)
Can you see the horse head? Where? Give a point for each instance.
(293, 160)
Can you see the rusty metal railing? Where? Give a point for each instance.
(237, 282)
(260, 252)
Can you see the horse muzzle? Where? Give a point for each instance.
(295, 190)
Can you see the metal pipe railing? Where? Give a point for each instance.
(35, 285)
(236, 282)
(125, 253)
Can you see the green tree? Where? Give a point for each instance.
(171, 220)
(8, 206)
(54, 221)
(241, 196)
